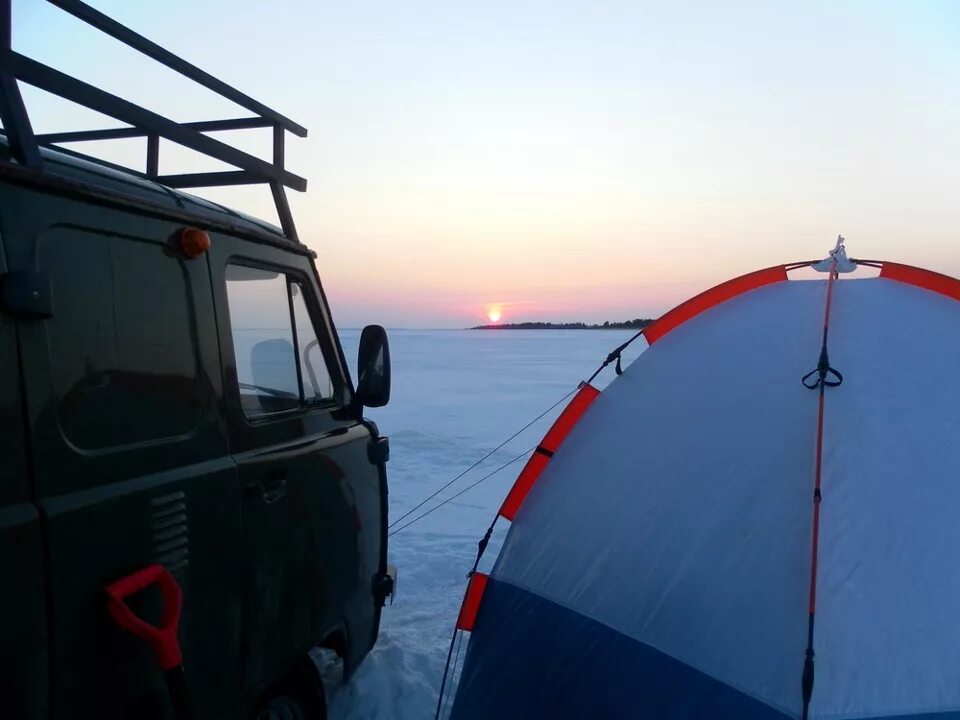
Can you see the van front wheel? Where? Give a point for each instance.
(299, 696)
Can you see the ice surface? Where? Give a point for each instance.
(456, 395)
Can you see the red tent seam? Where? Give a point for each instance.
(711, 298)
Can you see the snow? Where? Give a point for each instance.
(456, 396)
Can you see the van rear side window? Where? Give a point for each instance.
(277, 369)
(123, 345)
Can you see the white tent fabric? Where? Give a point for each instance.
(677, 514)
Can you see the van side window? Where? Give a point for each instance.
(277, 369)
(123, 342)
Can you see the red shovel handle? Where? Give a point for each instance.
(163, 638)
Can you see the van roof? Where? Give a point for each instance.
(89, 174)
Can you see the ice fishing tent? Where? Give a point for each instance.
(660, 557)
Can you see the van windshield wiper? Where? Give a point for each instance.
(317, 400)
(269, 391)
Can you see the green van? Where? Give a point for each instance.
(174, 400)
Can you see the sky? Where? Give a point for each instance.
(557, 160)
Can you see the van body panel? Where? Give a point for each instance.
(23, 632)
(129, 450)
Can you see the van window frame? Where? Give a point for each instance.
(329, 352)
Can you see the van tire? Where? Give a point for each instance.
(298, 696)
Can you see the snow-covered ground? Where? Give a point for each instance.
(456, 396)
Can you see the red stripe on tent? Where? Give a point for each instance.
(471, 601)
(926, 279)
(541, 456)
(569, 417)
(525, 480)
(712, 297)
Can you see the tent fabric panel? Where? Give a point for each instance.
(888, 632)
(944, 715)
(678, 510)
(532, 658)
(711, 298)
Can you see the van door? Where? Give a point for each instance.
(313, 518)
(129, 450)
(23, 656)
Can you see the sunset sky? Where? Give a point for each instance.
(562, 160)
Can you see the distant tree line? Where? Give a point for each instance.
(635, 324)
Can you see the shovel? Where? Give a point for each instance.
(163, 637)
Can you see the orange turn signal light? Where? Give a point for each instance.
(194, 242)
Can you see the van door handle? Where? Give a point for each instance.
(273, 488)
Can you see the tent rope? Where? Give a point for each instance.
(823, 371)
(456, 661)
(461, 492)
(481, 547)
(615, 355)
(479, 462)
(446, 669)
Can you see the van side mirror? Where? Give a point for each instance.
(373, 367)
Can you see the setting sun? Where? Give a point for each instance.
(494, 314)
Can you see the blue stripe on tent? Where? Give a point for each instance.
(531, 658)
(947, 715)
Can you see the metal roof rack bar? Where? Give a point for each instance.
(132, 132)
(45, 77)
(111, 27)
(25, 144)
(212, 179)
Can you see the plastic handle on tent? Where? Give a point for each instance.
(162, 638)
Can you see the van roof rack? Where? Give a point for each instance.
(25, 144)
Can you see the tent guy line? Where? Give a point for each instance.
(469, 487)
(613, 355)
(476, 464)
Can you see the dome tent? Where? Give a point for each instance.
(662, 560)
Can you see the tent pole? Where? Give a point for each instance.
(823, 381)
